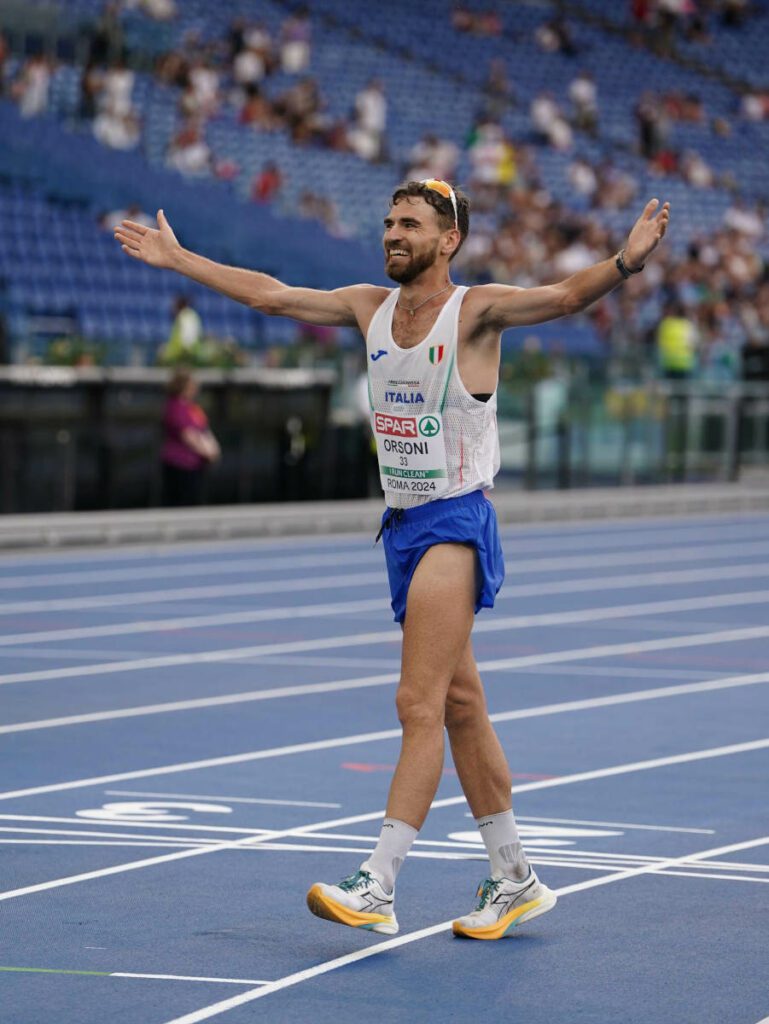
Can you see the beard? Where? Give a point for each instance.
(407, 272)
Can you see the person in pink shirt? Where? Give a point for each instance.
(189, 446)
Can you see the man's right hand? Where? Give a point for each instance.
(158, 247)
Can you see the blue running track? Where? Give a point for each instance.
(191, 736)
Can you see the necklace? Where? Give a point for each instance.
(413, 309)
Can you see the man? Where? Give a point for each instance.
(433, 359)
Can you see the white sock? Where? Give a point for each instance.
(395, 841)
(503, 844)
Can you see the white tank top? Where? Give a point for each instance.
(434, 440)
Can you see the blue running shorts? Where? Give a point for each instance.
(409, 532)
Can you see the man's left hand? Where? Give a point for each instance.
(647, 232)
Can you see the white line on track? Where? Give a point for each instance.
(227, 799)
(345, 582)
(389, 678)
(330, 965)
(623, 532)
(579, 777)
(269, 587)
(657, 693)
(185, 977)
(562, 563)
(394, 636)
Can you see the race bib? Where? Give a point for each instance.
(411, 453)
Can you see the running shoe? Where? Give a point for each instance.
(503, 904)
(358, 901)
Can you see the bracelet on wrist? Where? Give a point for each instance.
(623, 268)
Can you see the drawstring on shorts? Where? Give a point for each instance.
(392, 515)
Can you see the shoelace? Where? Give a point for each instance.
(486, 890)
(356, 881)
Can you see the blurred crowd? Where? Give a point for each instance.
(521, 234)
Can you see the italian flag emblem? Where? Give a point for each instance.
(436, 354)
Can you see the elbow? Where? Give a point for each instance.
(268, 303)
(572, 302)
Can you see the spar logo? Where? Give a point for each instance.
(429, 426)
(396, 426)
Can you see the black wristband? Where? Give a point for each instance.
(623, 268)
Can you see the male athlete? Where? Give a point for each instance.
(433, 352)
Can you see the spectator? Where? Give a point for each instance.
(745, 220)
(432, 157)
(189, 152)
(189, 447)
(134, 212)
(184, 341)
(583, 179)
(31, 87)
(500, 95)
(91, 85)
(555, 37)
(117, 130)
(106, 38)
(367, 135)
(117, 88)
(203, 88)
(696, 171)
(492, 157)
(267, 184)
(584, 97)
(256, 110)
(295, 35)
(676, 343)
(549, 122)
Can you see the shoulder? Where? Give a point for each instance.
(364, 300)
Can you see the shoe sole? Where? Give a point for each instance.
(507, 924)
(323, 906)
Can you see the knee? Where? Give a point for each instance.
(464, 706)
(417, 712)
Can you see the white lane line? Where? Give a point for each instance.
(682, 689)
(599, 773)
(287, 613)
(184, 844)
(389, 678)
(618, 824)
(622, 532)
(229, 566)
(227, 799)
(186, 977)
(394, 636)
(563, 563)
(374, 604)
(345, 582)
(343, 961)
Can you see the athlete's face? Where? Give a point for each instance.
(412, 239)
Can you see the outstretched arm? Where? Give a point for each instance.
(506, 306)
(160, 248)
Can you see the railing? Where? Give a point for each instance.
(555, 434)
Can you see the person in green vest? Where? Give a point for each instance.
(183, 345)
(676, 344)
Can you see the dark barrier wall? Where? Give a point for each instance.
(90, 439)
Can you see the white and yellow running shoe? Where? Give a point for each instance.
(503, 904)
(358, 901)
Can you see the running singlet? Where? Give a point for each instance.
(434, 440)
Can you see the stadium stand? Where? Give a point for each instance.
(435, 63)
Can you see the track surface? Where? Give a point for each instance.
(191, 736)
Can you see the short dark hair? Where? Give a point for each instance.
(441, 205)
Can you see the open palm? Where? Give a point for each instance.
(157, 247)
(646, 234)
